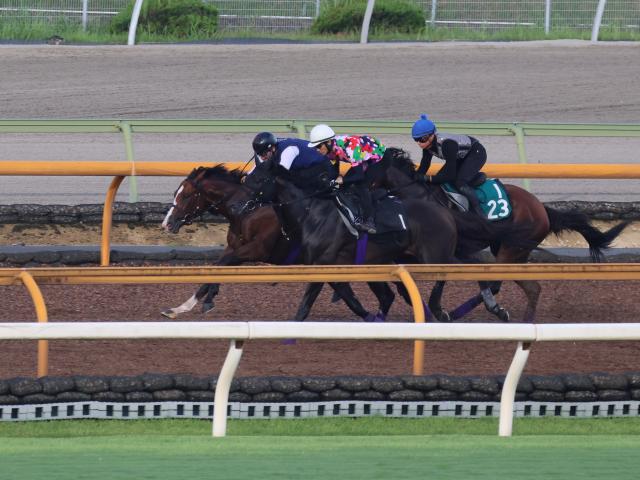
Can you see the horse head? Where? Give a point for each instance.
(204, 189)
(188, 203)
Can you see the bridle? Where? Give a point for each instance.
(197, 195)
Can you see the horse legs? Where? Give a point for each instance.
(187, 306)
(487, 292)
(385, 297)
(434, 302)
(346, 293)
(531, 289)
(308, 299)
(212, 290)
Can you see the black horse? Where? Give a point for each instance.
(432, 234)
(403, 179)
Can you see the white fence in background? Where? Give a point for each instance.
(238, 332)
(293, 15)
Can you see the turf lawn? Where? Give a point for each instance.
(572, 449)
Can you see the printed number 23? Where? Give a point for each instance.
(493, 205)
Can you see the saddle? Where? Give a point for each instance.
(389, 215)
(493, 197)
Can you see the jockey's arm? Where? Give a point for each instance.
(447, 172)
(288, 156)
(425, 162)
(354, 175)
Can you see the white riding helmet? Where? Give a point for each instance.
(319, 134)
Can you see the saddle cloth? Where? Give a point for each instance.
(492, 195)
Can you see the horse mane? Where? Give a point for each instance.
(218, 172)
(402, 161)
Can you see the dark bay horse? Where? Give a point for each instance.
(406, 182)
(253, 236)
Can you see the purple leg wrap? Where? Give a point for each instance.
(428, 316)
(370, 318)
(288, 341)
(466, 307)
(361, 248)
(380, 317)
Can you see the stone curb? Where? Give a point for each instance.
(60, 255)
(151, 387)
(154, 212)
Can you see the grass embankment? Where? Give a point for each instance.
(39, 32)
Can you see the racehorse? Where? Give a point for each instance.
(431, 235)
(403, 179)
(253, 236)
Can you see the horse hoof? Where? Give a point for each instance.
(288, 341)
(503, 315)
(207, 307)
(444, 317)
(170, 314)
(370, 318)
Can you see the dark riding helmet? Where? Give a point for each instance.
(263, 142)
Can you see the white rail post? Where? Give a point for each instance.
(508, 395)
(547, 16)
(221, 399)
(364, 34)
(133, 26)
(434, 7)
(85, 8)
(597, 20)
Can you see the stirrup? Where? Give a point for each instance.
(364, 226)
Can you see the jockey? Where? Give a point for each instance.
(361, 152)
(302, 164)
(463, 155)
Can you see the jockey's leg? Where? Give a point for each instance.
(469, 168)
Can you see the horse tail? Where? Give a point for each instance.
(579, 222)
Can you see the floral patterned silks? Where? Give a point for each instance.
(357, 149)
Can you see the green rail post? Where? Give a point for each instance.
(518, 131)
(300, 128)
(125, 128)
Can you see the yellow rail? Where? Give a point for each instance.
(119, 170)
(505, 170)
(407, 274)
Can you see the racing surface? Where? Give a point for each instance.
(557, 81)
(561, 302)
(505, 82)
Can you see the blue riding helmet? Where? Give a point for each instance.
(422, 127)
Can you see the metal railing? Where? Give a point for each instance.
(239, 332)
(32, 278)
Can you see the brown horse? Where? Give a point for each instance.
(254, 235)
(402, 177)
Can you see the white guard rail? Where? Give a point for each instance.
(238, 332)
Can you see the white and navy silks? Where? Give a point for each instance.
(304, 166)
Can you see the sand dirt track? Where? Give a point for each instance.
(551, 82)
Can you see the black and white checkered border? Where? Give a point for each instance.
(346, 408)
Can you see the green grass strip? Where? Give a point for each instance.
(368, 448)
(320, 457)
(321, 427)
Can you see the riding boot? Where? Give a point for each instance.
(474, 203)
(365, 225)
